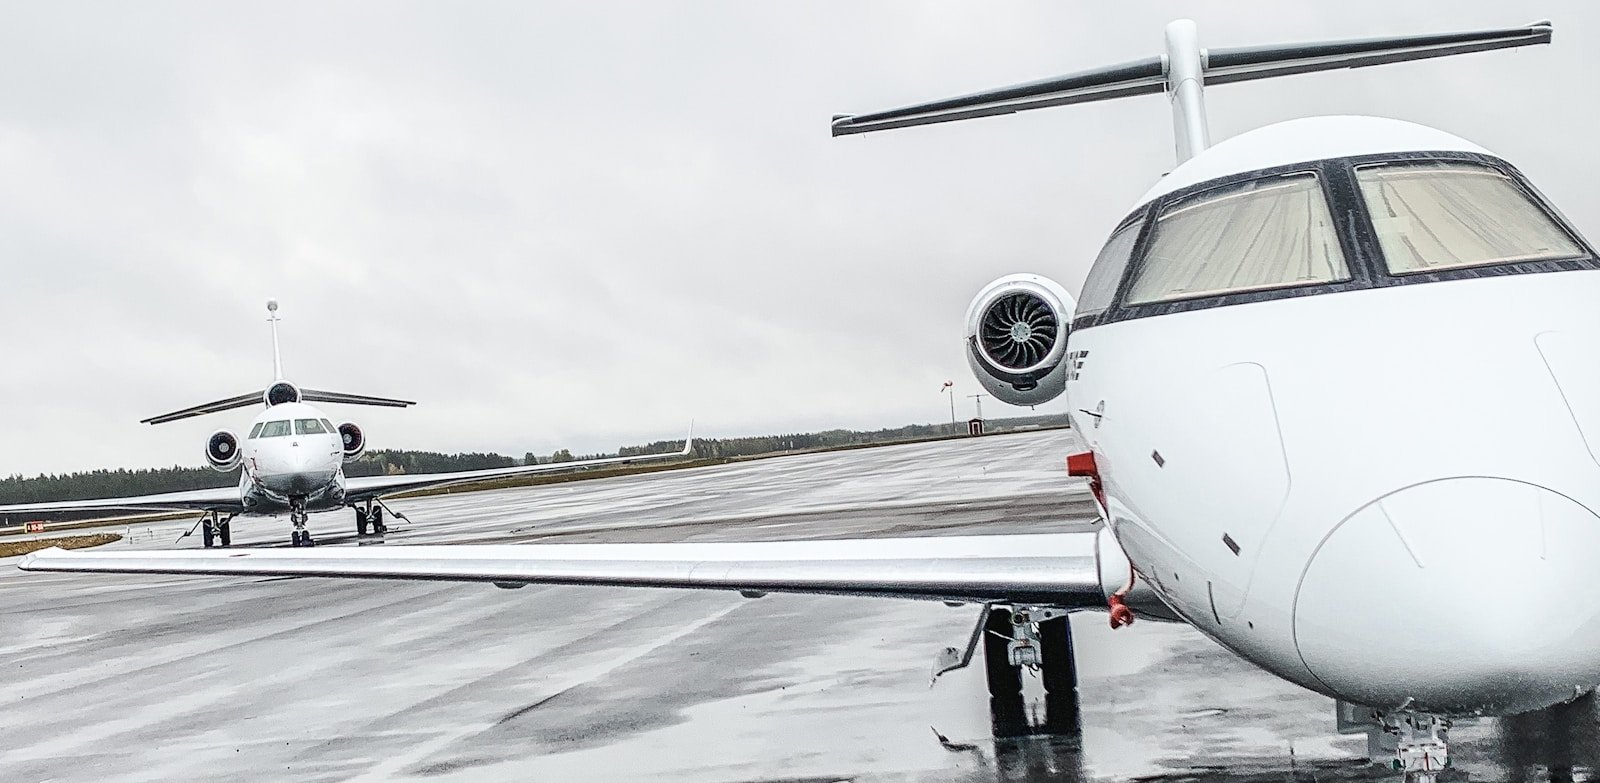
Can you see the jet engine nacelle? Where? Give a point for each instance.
(280, 393)
(1017, 338)
(355, 443)
(222, 451)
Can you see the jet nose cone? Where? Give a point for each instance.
(1462, 595)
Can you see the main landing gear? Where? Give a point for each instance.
(215, 530)
(369, 519)
(1014, 638)
(300, 536)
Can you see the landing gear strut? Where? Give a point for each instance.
(214, 529)
(370, 518)
(297, 517)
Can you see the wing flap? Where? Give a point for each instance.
(1058, 569)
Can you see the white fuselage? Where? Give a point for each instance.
(286, 458)
(1407, 474)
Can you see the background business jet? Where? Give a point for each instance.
(293, 459)
(1337, 380)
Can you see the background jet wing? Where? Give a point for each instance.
(241, 401)
(219, 499)
(315, 395)
(1057, 569)
(359, 488)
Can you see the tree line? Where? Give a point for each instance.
(122, 482)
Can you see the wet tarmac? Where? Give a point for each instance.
(159, 678)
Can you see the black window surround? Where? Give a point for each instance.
(1357, 238)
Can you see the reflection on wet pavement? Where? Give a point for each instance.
(157, 678)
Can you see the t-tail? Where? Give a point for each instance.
(281, 391)
(1182, 73)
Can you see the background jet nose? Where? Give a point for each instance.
(1463, 594)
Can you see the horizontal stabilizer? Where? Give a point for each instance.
(241, 401)
(1240, 64)
(312, 395)
(1218, 66)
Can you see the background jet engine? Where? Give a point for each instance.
(280, 393)
(1017, 338)
(355, 443)
(222, 451)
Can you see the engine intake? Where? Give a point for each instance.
(355, 442)
(1017, 338)
(222, 451)
(280, 393)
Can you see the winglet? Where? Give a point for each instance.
(688, 442)
(26, 563)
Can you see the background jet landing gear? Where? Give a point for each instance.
(214, 529)
(369, 520)
(1039, 639)
(300, 536)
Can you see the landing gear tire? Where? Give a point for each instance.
(1059, 670)
(208, 534)
(1007, 711)
(225, 532)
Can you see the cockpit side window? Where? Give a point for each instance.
(1100, 287)
(1272, 232)
(308, 427)
(329, 426)
(256, 430)
(1432, 215)
(275, 429)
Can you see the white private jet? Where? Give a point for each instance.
(1337, 379)
(293, 461)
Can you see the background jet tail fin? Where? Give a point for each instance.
(313, 395)
(241, 401)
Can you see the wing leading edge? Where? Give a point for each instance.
(1056, 569)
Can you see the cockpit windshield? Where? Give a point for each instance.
(1434, 215)
(275, 429)
(308, 427)
(1274, 232)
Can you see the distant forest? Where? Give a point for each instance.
(146, 481)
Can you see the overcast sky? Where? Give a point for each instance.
(582, 224)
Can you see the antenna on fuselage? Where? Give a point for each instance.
(277, 360)
(1183, 72)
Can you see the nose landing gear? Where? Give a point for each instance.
(1415, 744)
(300, 536)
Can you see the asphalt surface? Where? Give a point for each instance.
(160, 678)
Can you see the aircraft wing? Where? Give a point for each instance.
(1056, 569)
(359, 488)
(219, 499)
